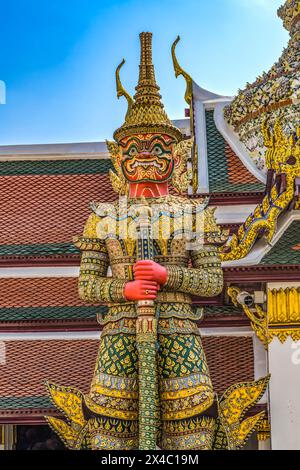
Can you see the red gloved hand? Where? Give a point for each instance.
(150, 271)
(141, 290)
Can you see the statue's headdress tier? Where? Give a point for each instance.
(146, 112)
(147, 91)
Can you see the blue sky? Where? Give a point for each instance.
(58, 58)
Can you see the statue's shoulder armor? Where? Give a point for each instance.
(89, 239)
(90, 228)
(213, 233)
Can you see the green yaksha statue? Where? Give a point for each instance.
(151, 386)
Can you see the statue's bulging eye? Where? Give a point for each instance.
(133, 151)
(157, 150)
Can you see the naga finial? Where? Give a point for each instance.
(179, 71)
(120, 89)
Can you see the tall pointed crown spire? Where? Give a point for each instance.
(146, 112)
(147, 90)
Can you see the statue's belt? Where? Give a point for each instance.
(162, 297)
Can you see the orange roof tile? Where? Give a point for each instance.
(237, 172)
(48, 208)
(28, 364)
(39, 292)
(230, 359)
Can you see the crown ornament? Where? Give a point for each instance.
(145, 113)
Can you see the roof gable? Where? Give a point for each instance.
(226, 171)
(287, 249)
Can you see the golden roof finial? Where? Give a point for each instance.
(120, 89)
(179, 71)
(146, 112)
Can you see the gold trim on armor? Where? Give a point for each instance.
(189, 413)
(174, 384)
(113, 392)
(111, 413)
(176, 297)
(183, 393)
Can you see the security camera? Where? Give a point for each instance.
(244, 298)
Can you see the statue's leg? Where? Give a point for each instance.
(186, 394)
(112, 404)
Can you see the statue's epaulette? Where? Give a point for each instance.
(89, 239)
(89, 244)
(90, 228)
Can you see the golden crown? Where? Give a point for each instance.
(145, 112)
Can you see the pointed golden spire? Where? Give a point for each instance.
(146, 113)
(147, 90)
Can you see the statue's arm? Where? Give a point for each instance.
(94, 285)
(205, 278)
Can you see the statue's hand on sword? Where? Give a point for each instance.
(148, 270)
(149, 277)
(141, 290)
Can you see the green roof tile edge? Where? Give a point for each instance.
(282, 252)
(16, 403)
(222, 310)
(217, 162)
(55, 167)
(50, 313)
(39, 249)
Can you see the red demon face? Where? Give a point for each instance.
(147, 158)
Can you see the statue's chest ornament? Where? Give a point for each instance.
(173, 227)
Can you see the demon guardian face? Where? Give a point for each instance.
(147, 158)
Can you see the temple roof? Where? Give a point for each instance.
(41, 299)
(225, 169)
(287, 248)
(281, 255)
(45, 195)
(45, 203)
(29, 363)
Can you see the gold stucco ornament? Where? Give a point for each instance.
(68, 400)
(182, 175)
(257, 316)
(283, 158)
(274, 95)
(280, 319)
(233, 406)
(118, 181)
